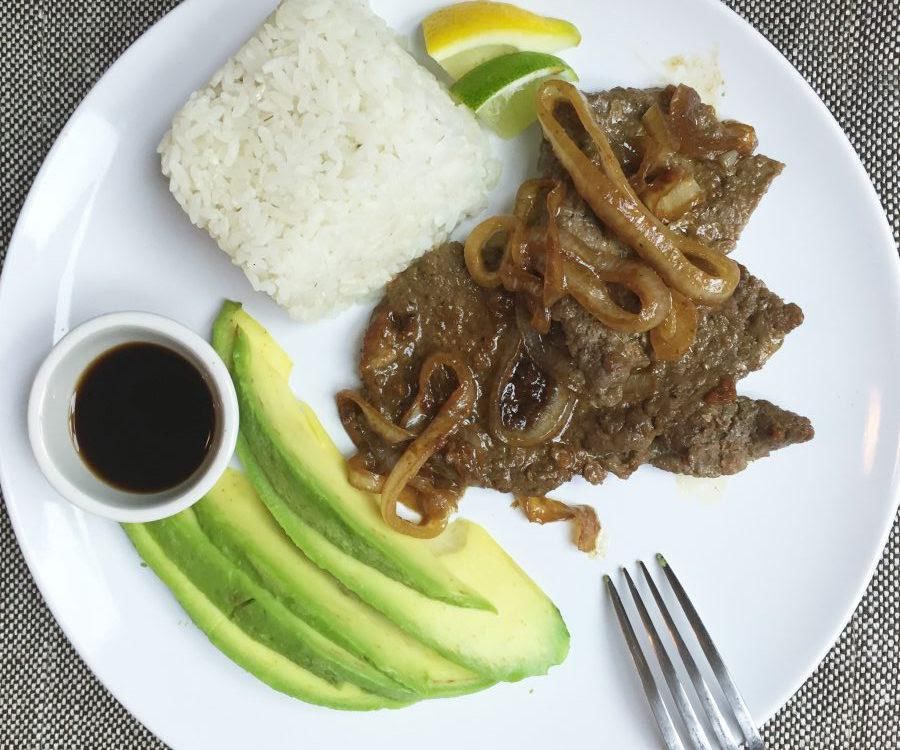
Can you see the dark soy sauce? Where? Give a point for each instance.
(143, 418)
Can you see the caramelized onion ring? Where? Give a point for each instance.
(361, 477)
(587, 273)
(697, 144)
(417, 412)
(518, 278)
(478, 240)
(554, 416)
(674, 336)
(547, 510)
(558, 365)
(580, 271)
(420, 495)
(607, 191)
(513, 272)
(527, 197)
(380, 424)
(364, 479)
(451, 414)
(526, 201)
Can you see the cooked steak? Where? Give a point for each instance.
(733, 185)
(646, 411)
(631, 408)
(722, 438)
(638, 398)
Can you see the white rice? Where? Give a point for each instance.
(322, 158)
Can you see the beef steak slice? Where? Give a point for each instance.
(733, 190)
(632, 409)
(723, 438)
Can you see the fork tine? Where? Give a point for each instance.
(660, 712)
(738, 706)
(703, 692)
(695, 729)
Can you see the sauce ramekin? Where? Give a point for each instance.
(50, 404)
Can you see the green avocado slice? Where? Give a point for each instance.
(306, 468)
(239, 524)
(524, 637)
(255, 610)
(259, 659)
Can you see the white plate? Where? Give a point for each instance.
(776, 558)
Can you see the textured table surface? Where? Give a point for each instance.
(51, 52)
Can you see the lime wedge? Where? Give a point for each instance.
(462, 36)
(502, 91)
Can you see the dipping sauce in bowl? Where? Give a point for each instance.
(143, 417)
(132, 416)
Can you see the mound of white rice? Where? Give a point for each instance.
(322, 158)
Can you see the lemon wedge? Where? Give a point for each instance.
(460, 37)
(502, 91)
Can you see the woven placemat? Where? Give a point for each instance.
(50, 55)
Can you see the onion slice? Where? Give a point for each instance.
(697, 144)
(587, 273)
(674, 336)
(558, 366)
(361, 477)
(419, 495)
(514, 271)
(567, 265)
(448, 419)
(554, 416)
(697, 271)
(526, 202)
(543, 510)
(380, 424)
(477, 242)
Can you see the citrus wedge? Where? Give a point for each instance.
(463, 36)
(502, 91)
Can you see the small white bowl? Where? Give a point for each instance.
(50, 403)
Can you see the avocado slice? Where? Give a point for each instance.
(526, 634)
(224, 327)
(258, 613)
(258, 658)
(306, 468)
(239, 524)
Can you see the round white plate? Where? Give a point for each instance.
(776, 558)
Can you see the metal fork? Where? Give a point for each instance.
(696, 734)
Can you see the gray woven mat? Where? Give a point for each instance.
(51, 53)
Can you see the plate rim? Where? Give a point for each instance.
(731, 17)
